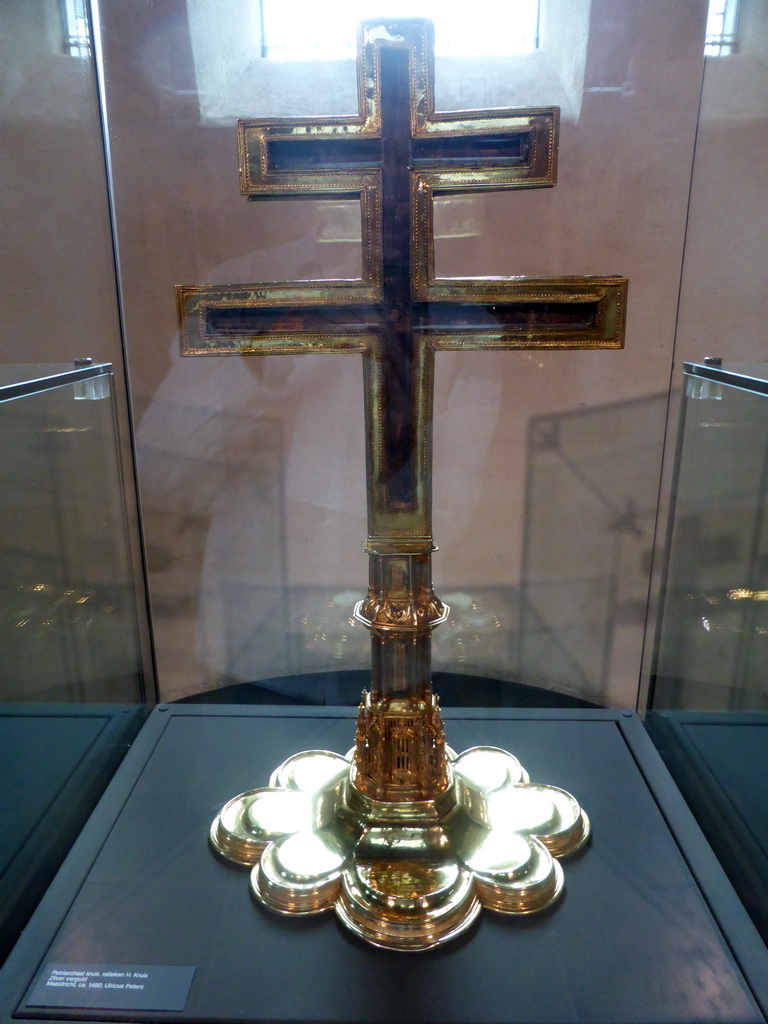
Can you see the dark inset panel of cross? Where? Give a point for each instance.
(395, 155)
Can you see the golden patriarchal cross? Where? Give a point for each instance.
(395, 155)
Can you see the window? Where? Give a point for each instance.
(310, 31)
(722, 24)
(77, 42)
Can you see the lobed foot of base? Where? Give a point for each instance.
(405, 875)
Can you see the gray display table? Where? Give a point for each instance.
(649, 929)
(55, 762)
(719, 760)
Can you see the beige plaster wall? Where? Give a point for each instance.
(57, 286)
(251, 471)
(724, 301)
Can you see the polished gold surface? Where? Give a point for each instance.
(408, 873)
(405, 839)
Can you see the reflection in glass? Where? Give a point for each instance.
(713, 633)
(584, 588)
(68, 620)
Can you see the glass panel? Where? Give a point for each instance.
(713, 632)
(584, 589)
(252, 469)
(709, 693)
(68, 623)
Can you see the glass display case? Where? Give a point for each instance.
(709, 693)
(712, 638)
(74, 676)
(251, 472)
(69, 618)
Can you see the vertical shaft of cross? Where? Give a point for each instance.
(399, 748)
(400, 609)
(397, 348)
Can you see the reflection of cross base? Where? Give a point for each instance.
(408, 874)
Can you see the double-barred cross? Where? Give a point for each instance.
(396, 154)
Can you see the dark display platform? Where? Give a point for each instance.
(719, 759)
(55, 762)
(649, 929)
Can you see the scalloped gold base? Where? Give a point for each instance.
(405, 875)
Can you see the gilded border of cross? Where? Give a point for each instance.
(366, 156)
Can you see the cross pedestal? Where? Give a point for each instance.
(403, 837)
